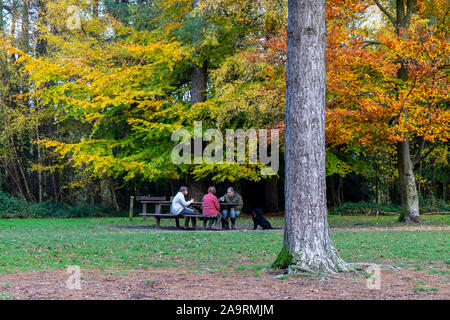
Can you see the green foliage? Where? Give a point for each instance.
(334, 165)
(11, 207)
(434, 205)
(363, 208)
(371, 208)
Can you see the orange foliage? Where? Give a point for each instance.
(368, 104)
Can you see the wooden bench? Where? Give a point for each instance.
(159, 216)
(159, 202)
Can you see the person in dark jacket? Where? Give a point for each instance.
(235, 209)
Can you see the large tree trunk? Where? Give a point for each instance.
(307, 243)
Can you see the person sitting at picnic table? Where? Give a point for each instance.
(233, 211)
(210, 205)
(180, 205)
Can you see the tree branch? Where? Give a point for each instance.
(411, 8)
(418, 159)
(368, 43)
(384, 10)
(419, 153)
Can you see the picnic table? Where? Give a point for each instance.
(160, 202)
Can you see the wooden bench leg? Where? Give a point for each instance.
(177, 221)
(204, 223)
(144, 211)
(158, 222)
(194, 223)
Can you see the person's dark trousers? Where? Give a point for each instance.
(187, 211)
(225, 223)
(194, 222)
(210, 223)
(233, 221)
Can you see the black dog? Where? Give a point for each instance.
(259, 220)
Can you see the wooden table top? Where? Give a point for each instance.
(193, 203)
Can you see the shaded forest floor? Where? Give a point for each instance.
(121, 259)
(175, 283)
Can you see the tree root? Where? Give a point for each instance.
(319, 265)
(408, 218)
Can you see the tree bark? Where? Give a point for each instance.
(25, 34)
(408, 190)
(2, 21)
(307, 243)
(199, 78)
(198, 84)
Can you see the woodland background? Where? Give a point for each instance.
(90, 95)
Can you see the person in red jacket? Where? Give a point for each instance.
(210, 205)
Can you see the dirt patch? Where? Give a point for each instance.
(160, 284)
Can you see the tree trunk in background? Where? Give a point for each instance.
(307, 244)
(95, 9)
(271, 195)
(25, 34)
(444, 191)
(2, 21)
(41, 50)
(197, 189)
(199, 82)
(408, 188)
(199, 78)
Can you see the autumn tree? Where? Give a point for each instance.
(388, 88)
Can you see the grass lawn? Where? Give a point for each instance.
(96, 243)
